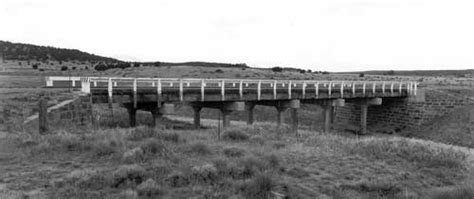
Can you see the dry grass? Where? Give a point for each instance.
(144, 162)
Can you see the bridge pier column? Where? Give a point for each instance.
(250, 118)
(132, 115)
(364, 106)
(280, 119)
(225, 118)
(157, 117)
(328, 112)
(294, 120)
(197, 116)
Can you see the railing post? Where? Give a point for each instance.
(342, 89)
(110, 91)
(373, 87)
(415, 88)
(241, 89)
(181, 90)
(289, 90)
(202, 90)
(383, 88)
(304, 89)
(135, 93)
(316, 88)
(363, 88)
(274, 89)
(329, 89)
(223, 90)
(259, 89)
(85, 85)
(353, 88)
(391, 89)
(158, 93)
(400, 85)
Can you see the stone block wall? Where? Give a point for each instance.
(401, 113)
(77, 112)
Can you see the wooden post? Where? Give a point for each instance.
(197, 116)
(43, 115)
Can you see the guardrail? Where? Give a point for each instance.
(181, 84)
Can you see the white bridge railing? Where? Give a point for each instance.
(160, 84)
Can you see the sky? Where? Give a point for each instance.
(328, 35)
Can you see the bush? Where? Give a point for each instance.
(273, 161)
(87, 179)
(277, 69)
(251, 166)
(141, 133)
(423, 156)
(259, 187)
(64, 68)
(170, 137)
(200, 149)
(460, 192)
(153, 146)
(206, 173)
(34, 66)
(235, 135)
(128, 175)
(177, 179)
(149, 189)
(234, 152)
(219, 71)
(134, 155)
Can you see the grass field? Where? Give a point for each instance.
(260, 161)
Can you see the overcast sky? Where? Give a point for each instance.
(333, 35)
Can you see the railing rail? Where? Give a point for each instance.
(260, 85)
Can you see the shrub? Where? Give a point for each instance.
(459, 192)
(87, 179)
(251, 166)
(149, 189)
(170, 137)
(257, 139)
(422, 155)
(141, 133)
(273, 161)
(219, 71)
(235, 135)
(64, 68)
(206, 173)
(128, 175)
(259, 187)
(134, 155)
(277, 69)
(234, 152)
(34, 66)
(153, 146)
(375, 189)
(177, 179)
(200, 149)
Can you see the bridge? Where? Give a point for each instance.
(158, 95)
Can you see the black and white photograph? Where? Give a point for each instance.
(247, 99)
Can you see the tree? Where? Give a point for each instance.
(361, 75)
(277, 69)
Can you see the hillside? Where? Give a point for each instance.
(20, 51)
(454, 73)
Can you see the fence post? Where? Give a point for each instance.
(43, 115)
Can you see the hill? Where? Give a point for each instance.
(454, 73)
(20, 51)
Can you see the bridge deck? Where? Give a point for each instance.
(123, 90)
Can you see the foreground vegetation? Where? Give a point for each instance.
(248, 162)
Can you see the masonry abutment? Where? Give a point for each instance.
(157, 116)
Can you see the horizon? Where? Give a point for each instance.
(336, 36)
